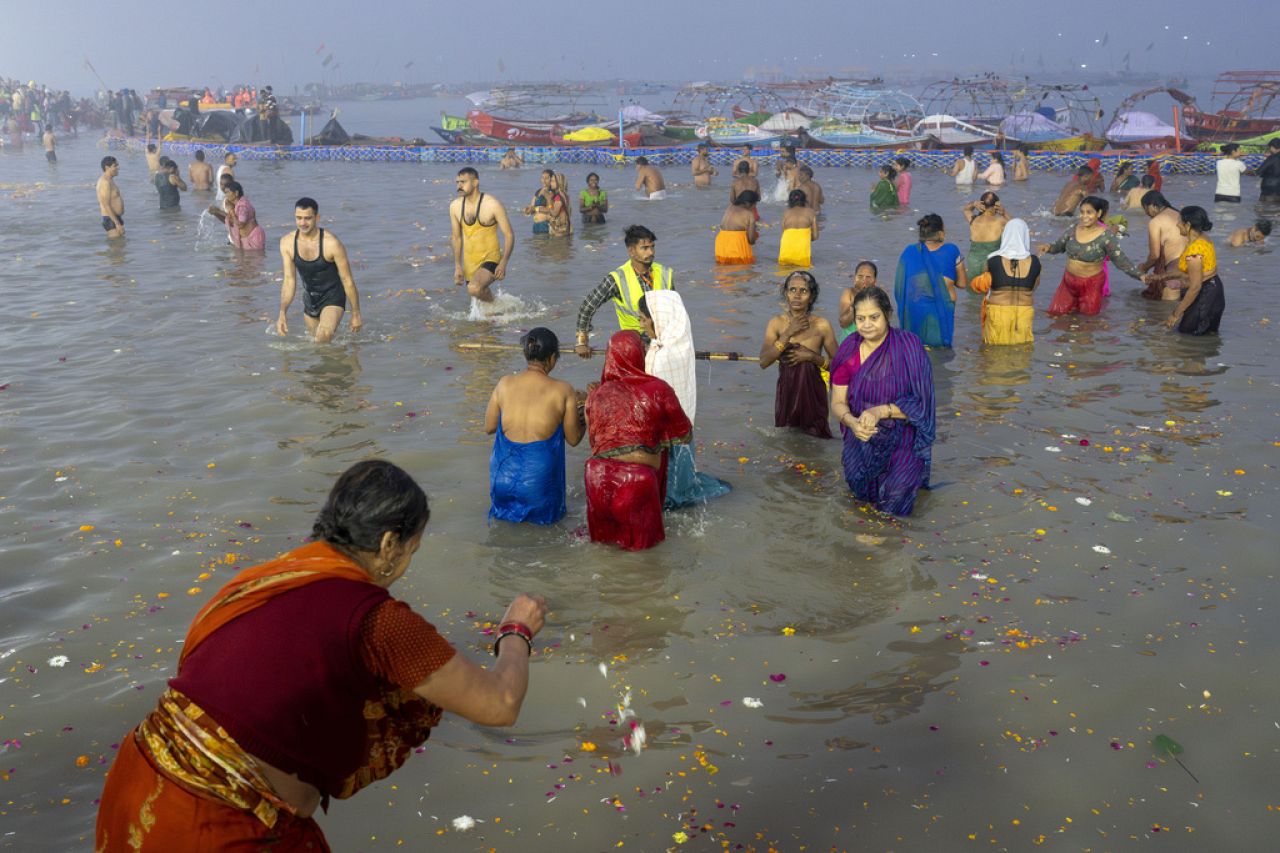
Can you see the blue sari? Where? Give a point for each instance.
(686, 485)
(526, 479)
(924, 304)
(887, 470)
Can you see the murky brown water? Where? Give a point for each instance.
(988, 674)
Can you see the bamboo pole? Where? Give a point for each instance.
(704, 355)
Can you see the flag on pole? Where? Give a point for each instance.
(320, 48)
(327, 60)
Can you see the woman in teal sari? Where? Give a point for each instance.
(929, 272)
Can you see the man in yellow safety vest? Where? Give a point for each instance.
(625, 286)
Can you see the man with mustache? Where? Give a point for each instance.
(475, 219)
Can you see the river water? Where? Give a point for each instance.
(1095, 567)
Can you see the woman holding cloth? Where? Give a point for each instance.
(882, 395)
(671, 358)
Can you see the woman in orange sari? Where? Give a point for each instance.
(301, 680)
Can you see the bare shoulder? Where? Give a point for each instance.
(454, 207)
(820, 324)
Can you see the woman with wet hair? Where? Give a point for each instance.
(738, 232)
(797, 341)
(929, 272)
(987, 218)
(884, 195)
(799, 230)
(304, 679)
(882, 396)
(593, 201)
(1203, 301)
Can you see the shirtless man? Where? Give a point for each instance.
(228, 167)
(50, 145)
(812, 189)
(475, 219)
(1133, 199)
(745, 157)
(327, 286)
(1073, 193)
(153, 158)
(783, 166)
(1021, 166)
(649, 179)
(528, 409)
(110, 202)
(743, 180)
(701, 168)
(1164, 244)
(200, 172)
(1256, 233)
(511, 160)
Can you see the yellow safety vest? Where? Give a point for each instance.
(630, 290)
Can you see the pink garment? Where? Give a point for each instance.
(903, 183)
(256, 240)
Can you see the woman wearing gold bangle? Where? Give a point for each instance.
(803, 346)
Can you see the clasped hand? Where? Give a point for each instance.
(867, 425)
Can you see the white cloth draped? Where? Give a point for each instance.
(1015, 241)
(671, 354)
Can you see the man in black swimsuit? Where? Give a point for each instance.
(327, 285)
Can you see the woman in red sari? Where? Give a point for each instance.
(301, 680)
(632, 419)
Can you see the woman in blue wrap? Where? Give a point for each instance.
(925, 287)
(531, 416)
(882, 395)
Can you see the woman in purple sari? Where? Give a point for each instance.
(882, 395)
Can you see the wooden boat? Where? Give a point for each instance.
(1246, 98)
(950, 132)
(721, 131)
(511, 132)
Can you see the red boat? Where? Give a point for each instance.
(521, 133)
(1246, 97)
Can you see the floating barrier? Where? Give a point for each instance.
(1191, 163)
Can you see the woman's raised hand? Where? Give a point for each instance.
(528, 609)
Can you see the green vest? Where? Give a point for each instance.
(630, 290)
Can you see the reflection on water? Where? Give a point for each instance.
(1028, 613)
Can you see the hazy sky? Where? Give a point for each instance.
(145, 44)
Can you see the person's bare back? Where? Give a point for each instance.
(201, 175)
(740, 183)
(532, 406)
(649, 179)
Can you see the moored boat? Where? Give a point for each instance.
(1246, 99)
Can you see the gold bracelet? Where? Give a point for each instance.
(780, 346)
